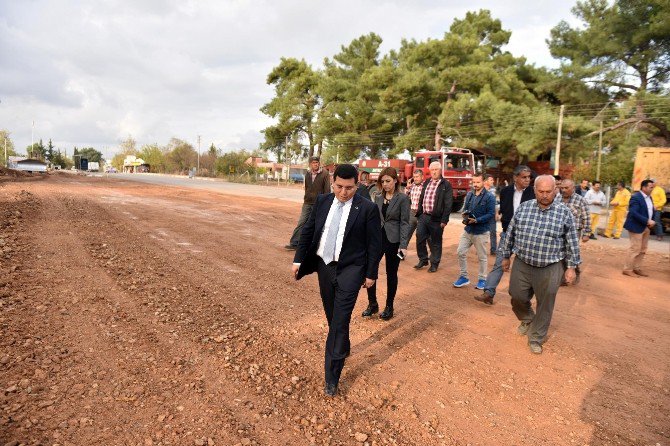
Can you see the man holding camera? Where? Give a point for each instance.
(478, 211)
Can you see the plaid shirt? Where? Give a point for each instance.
(580, 211)
(540, 237)
(414, 193)
(429, 197)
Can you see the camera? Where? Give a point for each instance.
(466, 216)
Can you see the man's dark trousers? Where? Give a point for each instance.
(428, 231)
(338, 305)
(304, 215)
(526, 281)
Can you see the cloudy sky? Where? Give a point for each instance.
(90, 73)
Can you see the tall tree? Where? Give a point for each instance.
(181, 156)
(350, 117)
(6, 141)
(154, 157)
(294, 105)
(623, 46)
(90, 154)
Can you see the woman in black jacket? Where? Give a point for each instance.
(394, 207)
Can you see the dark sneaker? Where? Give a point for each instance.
(523, 328)
(535, 347)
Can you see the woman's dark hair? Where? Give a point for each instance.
(390, 172)
(346, 171)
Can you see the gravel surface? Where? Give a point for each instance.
(140, 314)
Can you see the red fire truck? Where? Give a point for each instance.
(458, 166)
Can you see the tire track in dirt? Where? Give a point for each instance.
(197, 309)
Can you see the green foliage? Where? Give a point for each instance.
(6, 141)
(625, 39)
(294, 106)
(36, 150)
(90, 154)
(58, 159)
(351, 117)
(623, 47)
(154, 156)
(233, 163)
(181, 156)
(616, 166)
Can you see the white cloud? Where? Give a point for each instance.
(92, 72)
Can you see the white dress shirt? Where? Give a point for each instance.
(518, 193)
(340, 232)
(593, 198)
(650, 205)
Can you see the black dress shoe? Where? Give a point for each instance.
(421, 264)
(330, 389)
(386, 314)
(370, 310)
(432, 269)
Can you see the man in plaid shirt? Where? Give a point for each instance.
(433, 214)
(580, 210)
(542, 235)
(414, 193)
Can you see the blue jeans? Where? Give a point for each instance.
(494, 235)
(494, 277)
(659, 225)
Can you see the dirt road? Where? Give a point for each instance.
(135, 314)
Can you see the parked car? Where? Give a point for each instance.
(297, 175)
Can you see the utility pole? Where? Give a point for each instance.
(32, 140)
(198, 170)
(600, 150)
(287, 161)
(558, 141)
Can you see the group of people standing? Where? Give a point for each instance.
(343, 236)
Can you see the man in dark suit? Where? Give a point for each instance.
(639, 221)
(341, 241)
(510, 198)
(432, 216)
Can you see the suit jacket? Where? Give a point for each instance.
(396, 222)
(444, 199)
(638, 214)
(361, 246)
(507, 203)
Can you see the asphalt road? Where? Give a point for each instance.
(295, 194)
(271, 190)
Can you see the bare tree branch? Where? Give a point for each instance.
(655, 122)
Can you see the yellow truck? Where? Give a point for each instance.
(654, 162)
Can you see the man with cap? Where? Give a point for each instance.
(317, 181)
